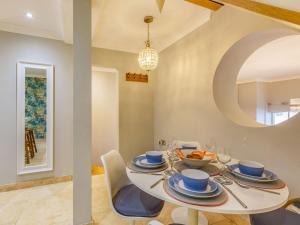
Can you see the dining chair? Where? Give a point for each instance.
(125, 199)
(287, 215)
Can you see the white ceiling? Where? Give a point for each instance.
(287, 4)
(46, 22)
(277, 60)
(116, 24)
(125, 28)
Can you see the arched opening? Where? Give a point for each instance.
(243, 77)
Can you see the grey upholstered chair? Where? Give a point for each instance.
(280, 216)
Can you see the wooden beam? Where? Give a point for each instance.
(160, 4)
(212, 5)
(267, 10)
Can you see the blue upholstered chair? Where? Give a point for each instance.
(127, 200)
(280, 216)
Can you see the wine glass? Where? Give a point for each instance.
(171, 152)
(210, 146)
(223, 156)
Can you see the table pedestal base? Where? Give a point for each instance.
(155, 222)
(188, 216)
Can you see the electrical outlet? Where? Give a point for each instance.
(162, 142)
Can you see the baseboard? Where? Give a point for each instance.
(34, 183)
(96, 170)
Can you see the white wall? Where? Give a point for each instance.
(136, 114)
(184, 106)
(253, 97)
(13, 49)
(247, 98)
(105, 114)
(283, 91)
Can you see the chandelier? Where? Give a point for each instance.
(148, 57)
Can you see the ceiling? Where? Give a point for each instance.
(126, 30)
(287, 4)
(46, 21)
(116, 24)
(277, 60)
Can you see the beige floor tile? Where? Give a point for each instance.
(225, 222)
(239, 220)
(52, 205)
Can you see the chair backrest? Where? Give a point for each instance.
(115, 173)
(188, 144)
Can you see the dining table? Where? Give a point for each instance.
(257, 201)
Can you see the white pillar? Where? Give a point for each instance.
(82, 112)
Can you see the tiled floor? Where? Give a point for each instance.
(52, 205)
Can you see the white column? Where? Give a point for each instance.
(82, 112)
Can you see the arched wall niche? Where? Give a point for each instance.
(224, 84)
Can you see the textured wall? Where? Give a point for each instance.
(184, 106)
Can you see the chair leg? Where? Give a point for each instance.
(27, 157)
(33, 140)
(30, 145)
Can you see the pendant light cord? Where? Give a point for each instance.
(148, 37)
(148, 32)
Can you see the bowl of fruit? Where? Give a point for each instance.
(195, 158)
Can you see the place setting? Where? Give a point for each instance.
(194, 186)
(151, 162)
(253, 174)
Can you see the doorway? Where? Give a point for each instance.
(105, 112)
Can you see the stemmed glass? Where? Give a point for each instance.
(210, 146)
(171, 152)
(223, 156)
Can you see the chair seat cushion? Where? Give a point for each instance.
(131, 201)
(278, 217)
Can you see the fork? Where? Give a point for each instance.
(157, 174)
(222, 182)
(167, 173)
(248, 187)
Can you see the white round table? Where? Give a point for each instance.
(256, 201)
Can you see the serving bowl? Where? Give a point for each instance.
(251, 168)
(195, 179)
(193, 162)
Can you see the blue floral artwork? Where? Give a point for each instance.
(36, 105)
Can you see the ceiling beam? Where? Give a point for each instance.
(160, 4)
(212, 5)
(67, 20)
(97, 7)
(266, 10)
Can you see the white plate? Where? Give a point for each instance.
(145, 162)
(209, 189)
(267, 176)
(137, 161)
(175, 187)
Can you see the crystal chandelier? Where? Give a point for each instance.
(148, 57)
